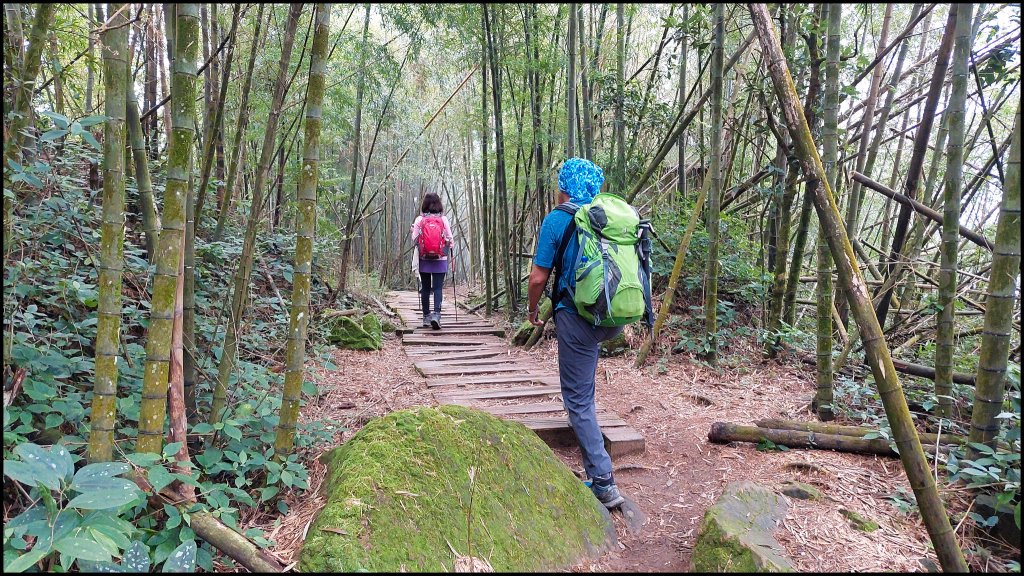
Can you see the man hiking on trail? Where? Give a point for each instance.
(579, 180)
(432, 237)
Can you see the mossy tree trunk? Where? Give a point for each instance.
(305, 227)
(22, 111)
(1002, 283)
(234, 163)
(620, 127)
(951, 213)
(715, 193)
(240, 284)
(153, 406)
(823, 396)
(108, 326)
(915, 464)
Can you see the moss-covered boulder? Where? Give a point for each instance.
(361, 334)
(401, 493)
(736, 534)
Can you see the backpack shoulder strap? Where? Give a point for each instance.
(570, 230)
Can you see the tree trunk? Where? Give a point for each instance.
(234, 164)
(153, 406)
(951, 213)
(111, 264)
(570, 86)
(912, 455)
(244, 270)
(485, 136)
(305, 227)
(995, 340)
(681, 139)
(715, 192)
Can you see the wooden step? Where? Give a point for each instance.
(514, 378)
(442, 339)
(470, 370)
(450, 397)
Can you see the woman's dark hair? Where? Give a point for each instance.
(431, 204)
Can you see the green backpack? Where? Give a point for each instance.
(612, 270)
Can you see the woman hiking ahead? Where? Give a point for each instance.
(433, 238)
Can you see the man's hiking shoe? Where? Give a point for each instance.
(435, 321)
(606, 492)
(608, 495)
(426, 320)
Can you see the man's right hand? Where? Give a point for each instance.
(533, 317)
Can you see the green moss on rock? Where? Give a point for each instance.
(399, 493)
(799, 490)
(736, 534)
(364, 334)
(859, 522)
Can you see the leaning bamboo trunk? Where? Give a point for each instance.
(150, 214)
(108, 325)
(153, 406)
(305, 225)
(725, 432)
(673, 278)
(995, 340)
(912, 455)
(714, 203)
(243, 272)
(951, 214)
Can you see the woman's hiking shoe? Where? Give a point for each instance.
(435, 321)
(606, 492)
(426, 320)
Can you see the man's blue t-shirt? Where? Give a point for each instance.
(551, 231)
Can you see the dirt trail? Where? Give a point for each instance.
(681, 473)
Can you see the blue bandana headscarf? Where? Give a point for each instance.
(581, 179)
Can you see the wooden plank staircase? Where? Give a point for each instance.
(467, 362)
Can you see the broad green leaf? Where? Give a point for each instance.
(183, 559)
(81, 548)
(136, 557)
(159, 477)
(51, 135)
(92, 120)
(171, 449)
(104, 499)
(95, 476)
(31, 473)
(102, 567)
(60, 120)
(26, 560)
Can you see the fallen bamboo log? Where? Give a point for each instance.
(852, 431)
(725, 432)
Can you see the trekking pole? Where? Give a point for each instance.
(455, 297)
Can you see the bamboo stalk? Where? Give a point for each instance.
(153, 406)
(111, 264)
(912, 455)
(724, 432)
(305, 228)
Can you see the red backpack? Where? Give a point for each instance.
(431, 240)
